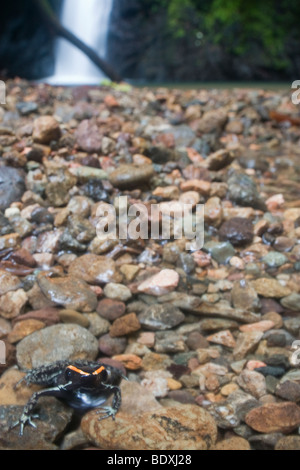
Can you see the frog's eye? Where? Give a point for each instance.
(101, 373)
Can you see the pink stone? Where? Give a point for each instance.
(222, 337)
(160, 284)
(251, 365)
(263, 325)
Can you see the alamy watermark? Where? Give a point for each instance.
(164, 221)
(2, 353)
(2, 92)
(296, 94)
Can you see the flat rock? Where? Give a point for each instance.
(160, 317)
(238, 231)
(69, 292)
(160, 284)
(186, 427)
(127, 176)
(95, 269)
(54, 343)
(267, 287)
(274, 417)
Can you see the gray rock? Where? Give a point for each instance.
(220, 251)
(242, 190)
(274, 259)
(55, 343)
(54, 417)
(160, 317)
(12, 186)
(291, 302)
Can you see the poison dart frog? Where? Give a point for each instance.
(83, 385)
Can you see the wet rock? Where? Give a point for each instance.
(117, 291)
(97, 326)
(169, 342)
(159, 430)
(95, 269)
(274, 259)
(8, 282)
(12, 186)
(71, 316)
(223, 309)
(267, 287)
(112, 346)
(213, 211)
(12, 303)
(222, 252)
(244, 296)
(274, 417)
(48, 316)
(252, 382)
(224, 338)
(54, 343)
(125, 325)
(288, 443)
(160, 317)
(233, 443)
(157, 382)
(69, 292)
(45, 129)
(129, 361)
(24, 328)
(136, 399)
(54, 418)
(288, 390)
(212, 121)
(238, 231)
(160, 284)
(128, 176)
(231, 412)
(291, 302)
(242, 190)
(111, 309)
(196, 340)
(246, 343)
(88, 136)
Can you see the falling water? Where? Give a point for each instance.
(89, 21)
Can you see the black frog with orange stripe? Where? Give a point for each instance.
(83, 385)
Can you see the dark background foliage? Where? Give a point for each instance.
(170, 40)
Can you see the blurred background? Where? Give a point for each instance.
(154, 41)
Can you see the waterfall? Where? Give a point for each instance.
(89, 21)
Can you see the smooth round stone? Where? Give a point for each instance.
(128, 176)
(56, 343)
(238, 231)
(220, 251)
(117, 291)
(274, 259)
(71, 316)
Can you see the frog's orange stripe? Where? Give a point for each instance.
(99, 370)
(79, 371)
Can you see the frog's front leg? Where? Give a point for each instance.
(27, 415)
(111, 410)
